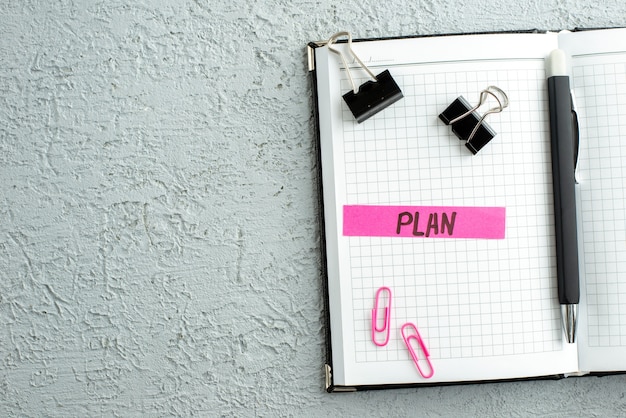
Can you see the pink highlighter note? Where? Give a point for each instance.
(424, 221)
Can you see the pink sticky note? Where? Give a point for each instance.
(424, 221)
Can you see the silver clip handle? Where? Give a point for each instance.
(333, 40)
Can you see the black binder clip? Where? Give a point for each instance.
(467, 124)
(372, 96)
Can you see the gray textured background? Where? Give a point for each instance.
(159, 250)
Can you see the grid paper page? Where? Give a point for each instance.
(469, 298)
(600, 90)
(486, 308)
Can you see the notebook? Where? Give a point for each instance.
(484, 301)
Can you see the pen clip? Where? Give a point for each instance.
(576, 138)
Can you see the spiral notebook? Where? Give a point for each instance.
(485, 303)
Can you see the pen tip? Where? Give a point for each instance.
(570, 315)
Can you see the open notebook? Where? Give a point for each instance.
(486, 306)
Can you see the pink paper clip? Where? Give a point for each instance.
(386, 326)
(417, 337)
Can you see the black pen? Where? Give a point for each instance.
(563, 134)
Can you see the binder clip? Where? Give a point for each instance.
(386, 325)
(372, 96)
(467, 124)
